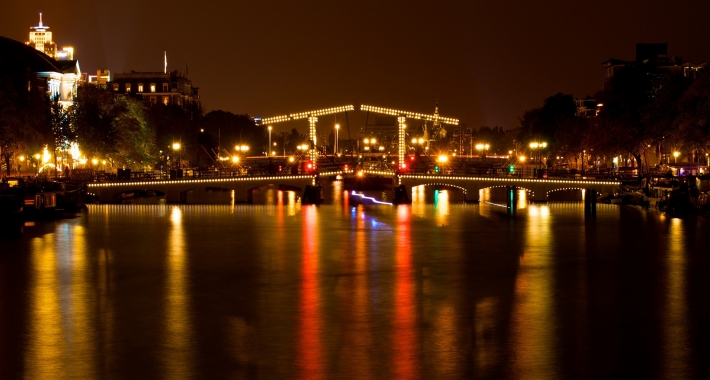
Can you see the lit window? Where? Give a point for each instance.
(152, 87)
(115, 87)
(128, 87)
(165, 100)
(140, 87)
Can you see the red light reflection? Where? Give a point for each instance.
(404, 330)
(310, 347)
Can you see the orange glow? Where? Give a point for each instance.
(310, 347)
(405, 339)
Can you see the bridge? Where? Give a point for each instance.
(243, 187)
(176, 190)
(539, 189)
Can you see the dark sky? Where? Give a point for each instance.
(485, 62)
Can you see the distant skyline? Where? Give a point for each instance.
(485, 63)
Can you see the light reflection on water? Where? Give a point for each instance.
(435, 289)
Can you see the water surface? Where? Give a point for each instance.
(433, 290)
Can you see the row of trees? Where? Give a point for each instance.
(122, 131)
(644, 109)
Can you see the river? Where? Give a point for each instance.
(437, 289)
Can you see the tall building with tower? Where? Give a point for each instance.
(41, 39)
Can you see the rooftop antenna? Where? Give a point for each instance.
(40, 19)
(165, 70)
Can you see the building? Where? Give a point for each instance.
(55, 77)
(587, 107)
(156, 87)
(41, 39)
(655, 54)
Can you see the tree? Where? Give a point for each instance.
(94, 113)
(136, 145)
(632, 89)
(22, 111)
(693, 121)
(60, 122)
(233, 130)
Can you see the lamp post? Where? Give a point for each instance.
(37, 156)
(269, 148)
(483, 147)
(538, 146)
(675, 156)
(176, 147)
(337, 127)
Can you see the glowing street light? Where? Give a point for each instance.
(675, 156)
(538, 146)
(483, 147)
(176, 147)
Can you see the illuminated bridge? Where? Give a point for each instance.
(243, 187)
(176, 190)
(539, 189)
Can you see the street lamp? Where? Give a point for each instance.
(535, 145)
(269, 148)
(675, 156)
(483, 147)
(337, 127)
(176, 147)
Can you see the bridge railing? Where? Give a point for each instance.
(188, 174)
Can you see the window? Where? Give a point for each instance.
(165, 100)
(152, 100)
(128, 87)
(115, 87)
(165, 87)
(140, 87)
(152, 87)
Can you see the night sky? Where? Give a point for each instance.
(485, 62)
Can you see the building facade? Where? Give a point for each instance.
(58, 78)
(156, 87)
(655, 55)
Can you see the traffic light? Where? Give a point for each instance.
(308, 167)
(436, 169)
(511, 168)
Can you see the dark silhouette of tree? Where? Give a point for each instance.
(234, 130)
(632, 89)
(94, 113)
(22, 115)
(178, 124)
(693, 120)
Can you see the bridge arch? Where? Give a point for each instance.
(571, 188)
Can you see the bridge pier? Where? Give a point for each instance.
(512, 199)
(590, 202)
(401, 195)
